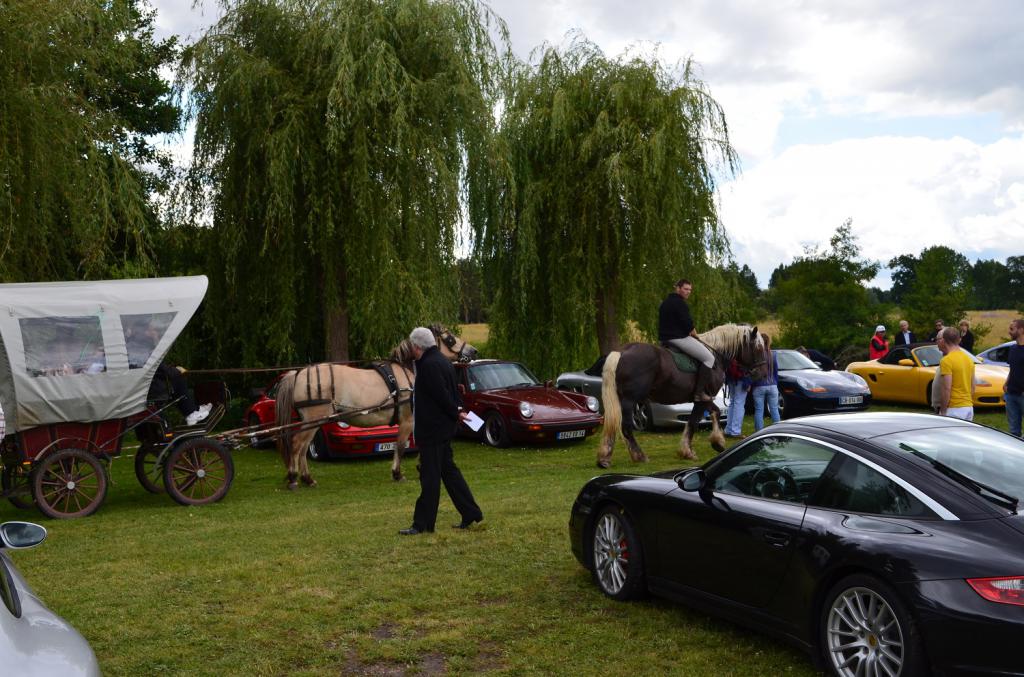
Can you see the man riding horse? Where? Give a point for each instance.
(676, 330)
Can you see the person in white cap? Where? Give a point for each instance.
(879, 346)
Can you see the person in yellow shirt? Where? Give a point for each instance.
(956, 369)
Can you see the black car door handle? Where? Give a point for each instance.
(777, 538)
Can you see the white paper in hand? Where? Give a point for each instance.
(473, 421)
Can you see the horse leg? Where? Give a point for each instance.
(717, 439)
(686, 443)
(307, 479)
(401, 444)
(297, 462)
(635, 452)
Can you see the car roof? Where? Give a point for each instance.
(867, 425)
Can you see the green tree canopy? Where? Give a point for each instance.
(938, 288)
(80, 91)
(822, 299)
(337, 143)
(607, 198)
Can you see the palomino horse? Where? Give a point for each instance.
(381, 395)
(642, 371)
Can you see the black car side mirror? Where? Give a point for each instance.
(691, 480)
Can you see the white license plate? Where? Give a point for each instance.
(571, 434)
(386, 446)
(853, 399)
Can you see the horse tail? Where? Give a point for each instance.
(283, 414)
(612, 406)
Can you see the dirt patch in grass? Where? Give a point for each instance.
(433, 664)
(385, 631)
(489, 658)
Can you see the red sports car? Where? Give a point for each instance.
(515, 406)
(333, 440)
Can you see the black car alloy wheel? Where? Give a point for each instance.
(495, 430)
(618, 561)
(867, 630)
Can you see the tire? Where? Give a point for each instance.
(17, 483)
(866, 625)
(69, 483)
(146, 470)
(317, 449)
(643, 418)
(618, 567)
(199, 471)
(495, 430)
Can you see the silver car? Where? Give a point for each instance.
(34, 641)
(997, 354)
(647, 415)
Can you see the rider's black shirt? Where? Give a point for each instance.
(674, 319)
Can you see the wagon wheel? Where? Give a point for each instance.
(146, 469)
(198, 472)
(69, 483)
(17, 484)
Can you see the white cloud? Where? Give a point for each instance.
(903, 194)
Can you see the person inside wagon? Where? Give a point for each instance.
(168, 380)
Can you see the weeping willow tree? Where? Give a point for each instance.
(608, 199)
(80, 91)
(337, 145)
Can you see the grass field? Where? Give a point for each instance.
(317, 582)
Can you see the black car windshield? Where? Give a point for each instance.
(499, 375)
(790, 360)
(984, 455)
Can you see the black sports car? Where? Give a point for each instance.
(805, 388)
(882, 543)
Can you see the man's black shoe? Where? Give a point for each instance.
(465, 524)
(411, 531)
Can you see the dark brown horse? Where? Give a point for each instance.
(642, 371)
(320, 390)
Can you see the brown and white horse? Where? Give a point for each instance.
(320, 390)
(643, 371)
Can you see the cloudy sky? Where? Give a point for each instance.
(907, 117)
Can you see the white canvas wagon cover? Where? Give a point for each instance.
(87, 351)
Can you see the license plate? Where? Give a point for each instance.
(386, 446)
(853, 399)
(571, 434)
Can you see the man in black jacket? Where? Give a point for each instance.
(904, 337)
(675, 327)
(436, 414)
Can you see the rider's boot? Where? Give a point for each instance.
(700, 388)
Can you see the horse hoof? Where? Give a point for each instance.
(397, 476)
(604, 465)
(292, 486)
(311, 483)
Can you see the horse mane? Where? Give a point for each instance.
(729, 339)
(402, 353)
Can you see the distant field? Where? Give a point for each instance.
(476, 334)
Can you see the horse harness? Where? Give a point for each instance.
(382, 368)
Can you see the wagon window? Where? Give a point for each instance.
(62, 346)
(142, 334)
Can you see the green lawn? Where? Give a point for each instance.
(317, 581)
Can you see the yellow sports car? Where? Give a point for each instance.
(906, 373)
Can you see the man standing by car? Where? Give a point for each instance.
(956, 370)
(436, 414)
(675, 327)
(1014, 386)
(904, 337)
(939, 326)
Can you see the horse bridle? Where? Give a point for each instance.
(449, 341)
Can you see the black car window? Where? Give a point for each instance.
(8, 591)
(999, 354)
(777, 467)
(852, 486)
(895, 355)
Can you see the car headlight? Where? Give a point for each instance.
(592, 403)
(808, 386)
(526, 409)
(342, 425)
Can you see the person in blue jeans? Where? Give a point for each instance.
(767, 390)
(1013, 389)
(737, 385)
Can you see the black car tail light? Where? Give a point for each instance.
(1006, 590)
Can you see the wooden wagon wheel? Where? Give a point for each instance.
(17, 484)
(69, 483)
(199, 471)
(146, 469)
